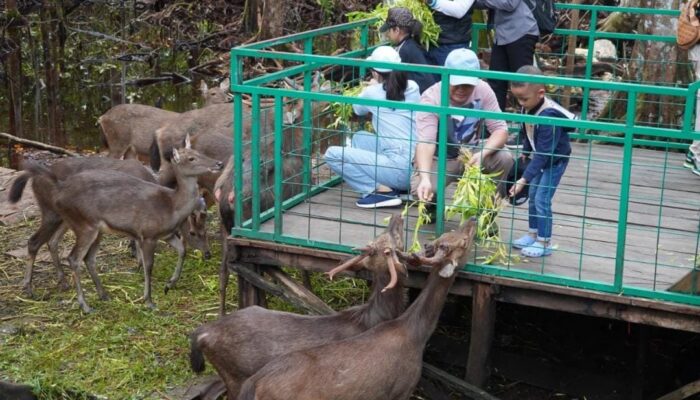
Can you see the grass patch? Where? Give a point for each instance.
(122, 350)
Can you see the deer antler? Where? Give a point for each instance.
(365, 252)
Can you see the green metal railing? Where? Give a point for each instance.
(629, 140)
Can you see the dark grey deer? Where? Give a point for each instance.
(383, 363)
(95, 201)
(242, 342)
(52, 228)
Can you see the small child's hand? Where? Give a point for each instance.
(518, 187)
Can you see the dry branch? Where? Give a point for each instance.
(39, 145)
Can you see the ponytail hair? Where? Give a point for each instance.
(416, 30)
(395, 84)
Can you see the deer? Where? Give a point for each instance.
(132, 126)
(92, 202)
(52, 228)
(382, 363)
(241, 343)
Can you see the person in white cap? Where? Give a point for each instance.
(379, 165)
(487, 149)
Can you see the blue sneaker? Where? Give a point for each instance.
(379, 200)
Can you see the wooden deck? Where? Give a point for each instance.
(662, 227)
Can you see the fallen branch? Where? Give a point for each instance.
(467, 389)
(39, 145)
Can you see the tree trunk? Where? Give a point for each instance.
(50, 42)
(272, 21)
(250, 16)
(14, 68)
(649, 108)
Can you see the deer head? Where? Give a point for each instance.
(447, 252)
(379, 254)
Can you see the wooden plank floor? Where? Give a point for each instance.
(662, 228)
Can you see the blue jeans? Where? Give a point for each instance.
(437, 54)
(541, 192)
(364, 168)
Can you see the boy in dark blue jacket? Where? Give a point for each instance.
(550, 149)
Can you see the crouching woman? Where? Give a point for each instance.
(378, 165)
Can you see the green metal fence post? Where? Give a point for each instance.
(279, 137)
(236, 79)
(625, 192)
(255, 166)
(307, 120)
(589, 62)
(442, 156)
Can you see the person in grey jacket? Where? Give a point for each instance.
(516, 36)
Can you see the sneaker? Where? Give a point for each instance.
(514, 142)
(379, 200)
(689, 160)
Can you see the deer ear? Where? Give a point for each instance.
(188, 144)
(176, 157)
(203, 87)
(224, 85)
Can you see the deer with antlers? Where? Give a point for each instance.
(242, 342)
(383, 363)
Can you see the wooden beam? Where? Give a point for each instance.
(684, 392)
(468, 390)
(482, 328)
(248, 272)
(298, 290)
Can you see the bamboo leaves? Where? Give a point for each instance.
(420, 11)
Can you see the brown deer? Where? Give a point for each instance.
(383, 363)
(92, 202)
(52, 228)
(242, 342)
(133, 126)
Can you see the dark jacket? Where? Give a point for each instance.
(552, 144)
(412, 53)
(453, 30)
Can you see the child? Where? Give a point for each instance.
(550, 149)
(379, 165)
(403, 31)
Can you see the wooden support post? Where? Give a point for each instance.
(482, 329)
(248, 293)
(306, 276)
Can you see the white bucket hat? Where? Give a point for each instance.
(385, 54)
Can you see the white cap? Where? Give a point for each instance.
(385, 54)
(464, 59)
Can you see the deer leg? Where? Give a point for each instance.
(148, 247)
(83, 242)
(50, 222)
(90, 264)
(223, 274)
(56, 256)
(176, 243)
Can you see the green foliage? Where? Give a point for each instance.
(343, 111)
(477, 196)
(423, 219)
(420, 11)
